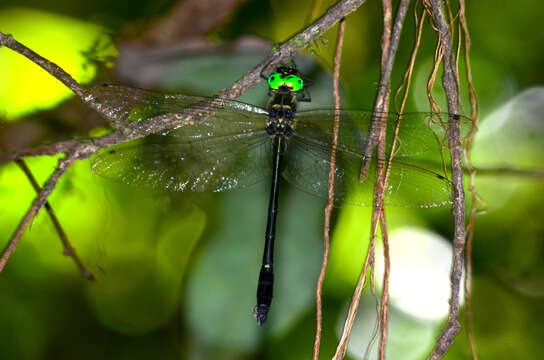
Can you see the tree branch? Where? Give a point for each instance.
(449, 82)
(40, 200)
(69, 250)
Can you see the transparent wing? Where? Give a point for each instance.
(418, 133)
(134, 104)
(206, 165)
(308, 164)
(224, 150)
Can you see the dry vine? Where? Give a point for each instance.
(382, 105)
(474, 111)
(390, 42)
(330, 202)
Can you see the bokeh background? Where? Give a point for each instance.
(176, 273)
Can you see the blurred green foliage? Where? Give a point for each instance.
(41, 89)
(176, 273)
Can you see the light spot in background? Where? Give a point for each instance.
(520, 114)
(420, 272)
(511, 137)
(26, 87)
(408, 338)
(419, 290)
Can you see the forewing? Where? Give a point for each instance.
(225, 149)
(132, 104)
(418, 133)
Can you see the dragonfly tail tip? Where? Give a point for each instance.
(260, 312)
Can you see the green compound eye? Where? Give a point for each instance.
(275, 80)
(294, 83)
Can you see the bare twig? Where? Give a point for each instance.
(407, 79)
(354, 305)
(61, 147)
(330, 203)
(384, 310)
(37, 204)
(472, 180)
(68, 249)
(381, 105)
(406, 82)
(449, 83)
(387, 7)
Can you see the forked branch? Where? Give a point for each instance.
(68, 248)
(37, 204)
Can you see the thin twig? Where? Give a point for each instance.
(330, 203)
(406, 82)
(378, 212)
(385, 286)
(381, 106)
(69, 250)
(449, 83)
(37, 204)
(407, 79)
(61, 147)
(387, 7)
(354, 305)
(472, 181)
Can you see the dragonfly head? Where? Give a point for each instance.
(286, 78)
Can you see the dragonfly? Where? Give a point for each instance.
(231, 145)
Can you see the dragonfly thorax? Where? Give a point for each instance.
(282, 107)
